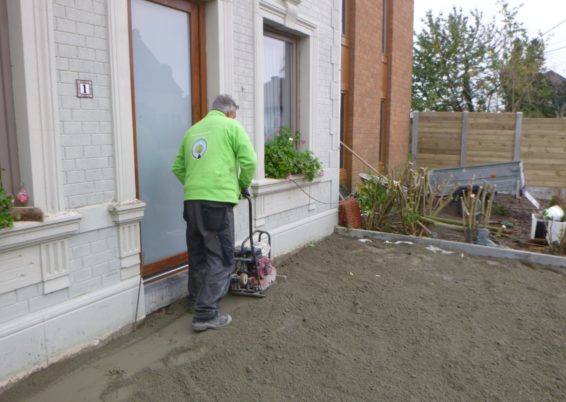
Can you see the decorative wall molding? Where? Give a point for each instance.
(128, 216)
(129, 239)
(292, 13)
(32, 253)
(20, 268)
(54, 266)
(130, 248)
(220, 47)
(122, 118)
(124, 212)
(276, 10)
(37, 117)
(281, 11)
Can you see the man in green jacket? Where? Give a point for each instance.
(215, 163)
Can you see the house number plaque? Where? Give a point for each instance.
(84, 89)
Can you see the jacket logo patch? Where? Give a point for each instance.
(199, 148)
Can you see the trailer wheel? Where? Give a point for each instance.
(243, 279)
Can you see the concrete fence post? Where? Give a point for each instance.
(414, 138)
(464, 138)
(518, 131)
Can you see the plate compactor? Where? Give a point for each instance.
(253, 271)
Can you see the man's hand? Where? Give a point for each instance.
(245, 193)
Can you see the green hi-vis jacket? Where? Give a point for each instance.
(215, 160)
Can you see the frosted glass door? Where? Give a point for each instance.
(162, 87)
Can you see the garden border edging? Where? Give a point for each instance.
(471, 249)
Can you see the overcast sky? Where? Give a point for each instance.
(538, 16)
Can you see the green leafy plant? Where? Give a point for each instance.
(404, 201)
(6, 201)
(283, 158)
(377, 199)
(500, 210)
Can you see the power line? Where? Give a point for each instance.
(554, 27)
(558, 42)
(554, 50)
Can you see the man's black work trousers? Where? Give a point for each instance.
(210, 243)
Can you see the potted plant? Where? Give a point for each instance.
(6, 202)
(15, 208)
(283, 158)
(551, 223)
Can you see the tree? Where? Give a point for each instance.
(523, 84)
(466, 63)
(558, 85)
(452, 62)
(524, 87)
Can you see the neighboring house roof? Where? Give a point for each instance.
(555, 78)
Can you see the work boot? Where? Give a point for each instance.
(220, 321)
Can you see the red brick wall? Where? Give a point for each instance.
(374, 76)
(401, 78)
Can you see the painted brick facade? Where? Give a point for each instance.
(244, 58)
(81, 266)
(82, 53)
(94, 261)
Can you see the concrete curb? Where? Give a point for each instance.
(471, 249)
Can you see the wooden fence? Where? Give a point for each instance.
(450, 139)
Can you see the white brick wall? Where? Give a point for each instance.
(94, 261)
(243, 44)
(13, 311)
(324, 15)
(20, 302)
(82, 53)
(93, 265)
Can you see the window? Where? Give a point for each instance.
(8, 145)
(279, 83)
(284, 86)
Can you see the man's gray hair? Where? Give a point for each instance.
(224, 104)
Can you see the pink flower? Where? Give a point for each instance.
(22, 196)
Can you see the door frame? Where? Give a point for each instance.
(199, 105)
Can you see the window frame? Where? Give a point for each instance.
(290, 20)
(295, 76)
(9, 160)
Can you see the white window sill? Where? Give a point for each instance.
(268, 185)
(25, 234)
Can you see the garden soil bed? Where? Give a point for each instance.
(515, 213)
(347, 321)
